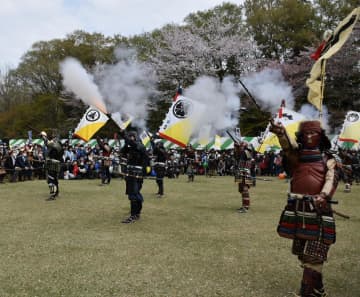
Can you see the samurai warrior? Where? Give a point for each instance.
(242, 172)
(137, 159)
(350, 168)
(160, 155)
(308, 218)
(105, 161)
(212, 163)
(53, 152)
(190, 162)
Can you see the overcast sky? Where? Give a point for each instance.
(24, 22)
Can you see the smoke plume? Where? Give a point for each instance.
(127, 86)
(124, 87)
(269, 88)
(312, 113)
(221, 104)
(81, 83)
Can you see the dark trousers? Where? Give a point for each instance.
(135, 207)
(105, 174)
(160, 183)
(133, 187)
(53, 182)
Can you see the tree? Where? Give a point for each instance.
(44, 113)
(330, 12)
(228, 49)
(212, 43)
(39, 67)
(282, 28)
(38, 73)
(216, 42)
(11, 93)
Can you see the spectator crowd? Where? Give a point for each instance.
(84, 162)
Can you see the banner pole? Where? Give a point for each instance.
(323, 75)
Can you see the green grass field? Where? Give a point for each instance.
(190, 243)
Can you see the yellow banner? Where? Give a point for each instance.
(351, 128)
(217, 144)
(123, 121)
(181, 120)
(90, 123)
(145, 138)
(315, 82)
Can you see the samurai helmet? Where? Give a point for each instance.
(314, 126)
(312, 136)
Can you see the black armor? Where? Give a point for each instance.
(137, 160)
(160, 155)
(53, 156)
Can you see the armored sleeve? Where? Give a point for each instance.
(287, 143)
(331, 178)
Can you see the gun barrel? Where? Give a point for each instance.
(231, 136)
(249, 94)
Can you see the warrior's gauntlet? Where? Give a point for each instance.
(277, 128)
(320, 201)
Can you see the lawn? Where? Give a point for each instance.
(190, 243)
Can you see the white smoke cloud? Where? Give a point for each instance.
(221, 104)
(124, 87)
(81, 83)
(127, 86)
(312, 113)
(269, 88)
